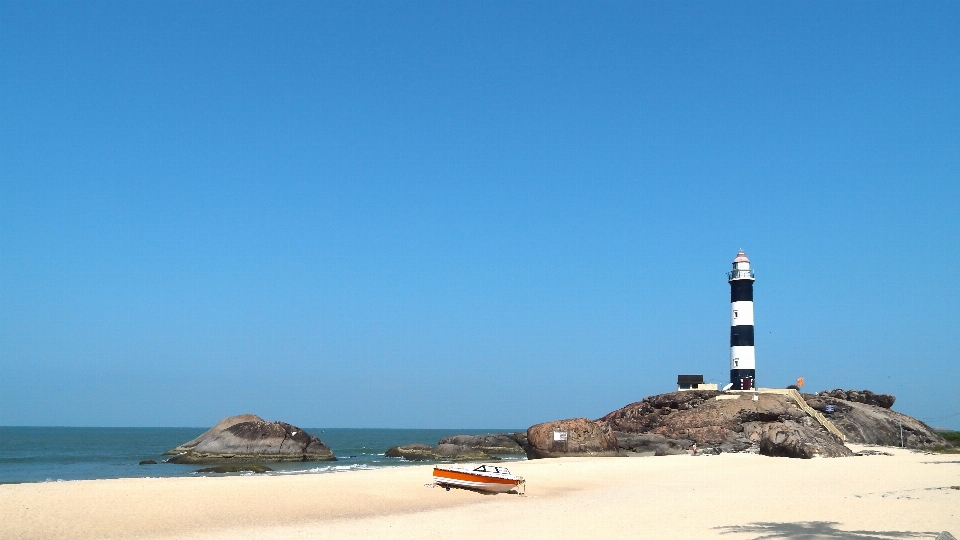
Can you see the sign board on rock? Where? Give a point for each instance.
(559, 435)
(829, 408)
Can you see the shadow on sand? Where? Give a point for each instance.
(817, 530)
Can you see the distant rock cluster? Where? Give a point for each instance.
(491, 443)
(860, 396)
(440, 452)
(485, 447)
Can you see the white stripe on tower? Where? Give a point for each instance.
(742, 359)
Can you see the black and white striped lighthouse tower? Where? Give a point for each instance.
(742, 359)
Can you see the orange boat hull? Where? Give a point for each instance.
(472, 480)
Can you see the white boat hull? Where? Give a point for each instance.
(473, 479)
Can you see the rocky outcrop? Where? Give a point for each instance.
(728, 425)
(645, 415)
(249, 438)
(772, 423)
(441, 452)
(861, 396)
(583, 438)
(489, 443)
(782, 439)
(863, 423)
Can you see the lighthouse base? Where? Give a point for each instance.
(743, 379)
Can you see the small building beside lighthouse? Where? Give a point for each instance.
(742, 358)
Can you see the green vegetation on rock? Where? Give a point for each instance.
(952, 436)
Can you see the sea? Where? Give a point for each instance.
(56, 454)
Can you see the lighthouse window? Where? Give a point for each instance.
(734, 314)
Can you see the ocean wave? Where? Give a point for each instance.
(329, 469)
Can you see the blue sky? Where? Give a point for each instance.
(469, 214)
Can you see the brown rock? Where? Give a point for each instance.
(584, 438)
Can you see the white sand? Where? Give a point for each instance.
(680, 497)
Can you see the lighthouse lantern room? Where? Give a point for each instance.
(742, 360)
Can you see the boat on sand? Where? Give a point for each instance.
(491, 478)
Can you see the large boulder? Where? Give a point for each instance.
(249, 438)
(863, 423)
(583, 438)
(217, 428)
(489, 443)
(789, 439)
(441, 452)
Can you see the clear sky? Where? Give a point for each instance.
(469, 214)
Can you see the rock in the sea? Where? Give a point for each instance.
(441, 452)
(249, 438)
(249, 467)
(863, 423)
(217, 428)
(148, 462)
(793, 440)
(583, 438)
(490, 443)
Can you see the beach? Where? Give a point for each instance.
(735, 496)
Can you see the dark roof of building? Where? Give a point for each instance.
(689, 379)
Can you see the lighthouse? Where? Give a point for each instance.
(742, 360)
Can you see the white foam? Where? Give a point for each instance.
(329, 469)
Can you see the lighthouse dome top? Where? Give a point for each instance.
(741, 268)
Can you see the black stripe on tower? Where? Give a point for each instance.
(741, 335)
(741, 290)
(737, 374)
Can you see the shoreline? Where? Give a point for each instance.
(728, 495)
